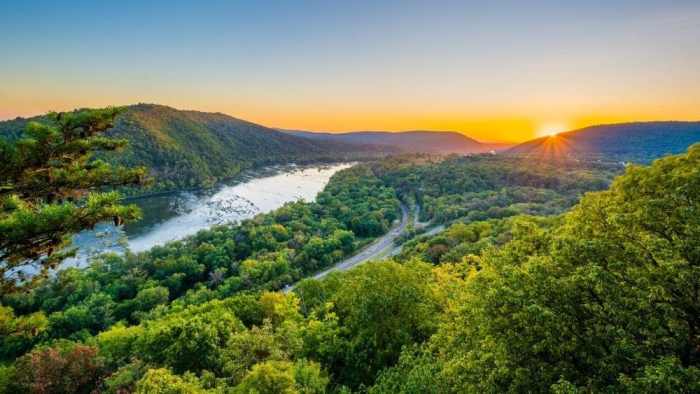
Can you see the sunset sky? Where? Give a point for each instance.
(506, 71)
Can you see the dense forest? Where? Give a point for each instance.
(266, 252)
(568, 276)
(491, 186)
(413, 141)
(188, 149)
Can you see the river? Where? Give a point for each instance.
(176, 216)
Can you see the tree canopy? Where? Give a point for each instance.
(51, 188)
(601, 297)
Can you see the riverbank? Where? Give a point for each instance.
(172, 216)
(244, 174)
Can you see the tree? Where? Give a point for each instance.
(191, 340)
(19, 333)
(149, 298)
(163, 381)
(381, 307)
(284, 377)
(52, 187)
(604, 301)
(65, 368)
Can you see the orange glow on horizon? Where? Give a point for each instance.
(552, 129)
(489, 128)
(554, 147)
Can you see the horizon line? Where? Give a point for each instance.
(360, 130)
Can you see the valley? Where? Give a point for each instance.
(380, 275)
(174, 216)
(190, 149)
(349, 197)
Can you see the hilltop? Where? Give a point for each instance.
(413, 141)
(192, 149)
(639, 141)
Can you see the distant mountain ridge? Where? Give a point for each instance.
(436, 142)
(638, 141)
(191, 149)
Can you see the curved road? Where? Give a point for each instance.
(381, 247)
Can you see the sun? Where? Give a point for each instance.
(551, 129)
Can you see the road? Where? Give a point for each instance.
(381, 247)
(375, 250)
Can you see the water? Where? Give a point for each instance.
(172, 217)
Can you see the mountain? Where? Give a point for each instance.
(439, 142)
(640, 141)
(190, 148)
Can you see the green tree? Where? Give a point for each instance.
(19, 333)
(51, 187)
(606, 301)
(284, 377)
(381, 307)
(163, 381)
(191, 340)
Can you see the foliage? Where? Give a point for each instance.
(377, 319)
(476, 188)
(163, 381)
(64, 368)
(283, 377)
(603, 302)
(462, 241)
(190, 149)
(185, 149)
(266, 252)
(602, 298)
(19, 333)
(50, 188)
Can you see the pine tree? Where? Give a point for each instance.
(52, 186)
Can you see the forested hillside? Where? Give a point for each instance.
(266, 252)
(547, 278)
(198, 316)
(481, 187)
(637, 142)
(442, 231)
(601, 299)
(416, 141)
(190, 149)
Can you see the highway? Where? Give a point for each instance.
(380, 248)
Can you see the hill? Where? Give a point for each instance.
(600, 299)
(438, 142)
(191, 148)
(640, 141)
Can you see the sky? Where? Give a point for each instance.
(496, 71)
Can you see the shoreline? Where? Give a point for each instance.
(244, 175)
